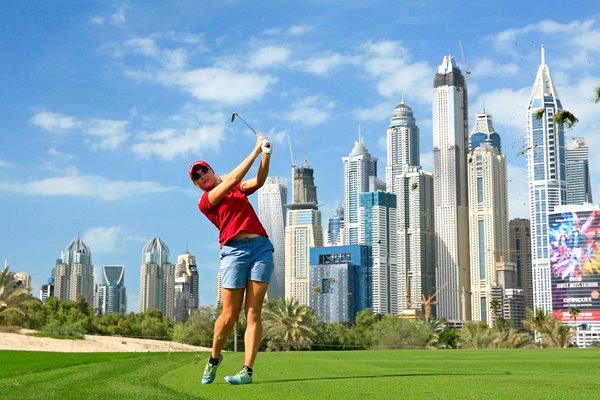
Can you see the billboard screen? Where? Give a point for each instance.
(575, 264)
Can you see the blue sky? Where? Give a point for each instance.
(106, 103)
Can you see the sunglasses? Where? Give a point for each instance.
(203, 170)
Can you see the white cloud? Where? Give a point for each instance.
(321, 64)
(487, 67)
(389, 63)
(298, 30)
(170, 143)
(97, 20)
(103, 239)
(5, 164)
(223, 85)
(100, 133)
(54, 122)
(311, 110)
(91, 186)
(269, 56)
(374, 113)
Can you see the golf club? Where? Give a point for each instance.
(240, 117)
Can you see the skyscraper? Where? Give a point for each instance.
(74, 273)
(157, 278)
(186, 287)
(359, 166)
(450, 188)
(547, 174)
(519, 235)
(577, 154)
(414, 208)
(340, 281)
(377, 216)
(335, 229)
(488, 215)
(302, 231)
(112, 297)
(272, 198)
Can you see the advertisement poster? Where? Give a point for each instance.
(575, 264)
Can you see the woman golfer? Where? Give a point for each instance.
(246, 254)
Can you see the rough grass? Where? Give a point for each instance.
(381, 374)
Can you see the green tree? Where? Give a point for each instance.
(476, 335)
(597, 94)
(15, 297)
(288, 325)
(331, 336)
(552, 333)
(574, 313)
(198, 329)
(360, 335)
(392, 332)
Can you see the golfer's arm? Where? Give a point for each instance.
(230, 181)
(252, 185)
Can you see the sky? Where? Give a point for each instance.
(106, 103)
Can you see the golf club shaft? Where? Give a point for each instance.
(244, 121)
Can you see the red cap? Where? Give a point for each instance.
(195, 165)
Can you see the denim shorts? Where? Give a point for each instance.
(246, 259)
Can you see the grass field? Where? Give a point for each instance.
(386, 374)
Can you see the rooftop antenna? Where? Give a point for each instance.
(359, 132)
(402, 102)
(291, 152)
(466, 66)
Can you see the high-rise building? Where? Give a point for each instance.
(519, 236)
(377, 216)
(47, 290)
(335, 229)
(359, 166)
(272, 198)
(451, 210)
(111, 294)
(414, 208)
(547, 177)
(509, 297)
(488, 215)
(186, 287)
(157, 278)
(303, 230)
(579, 188)
(340, 282)
(24, 278)
(402, 143)
(74, 273)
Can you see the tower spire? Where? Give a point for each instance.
(543, 56)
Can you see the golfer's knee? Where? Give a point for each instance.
(228, 321)
(253, 316)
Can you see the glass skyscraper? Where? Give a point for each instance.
(359, 166)
(547, 176)
(579, 188)
(112, 297)
(272, 198)
(450, 187)
(340, 281)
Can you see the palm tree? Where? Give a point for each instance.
(288, 325)
(14, 296)
(597, 92)
(495, 306)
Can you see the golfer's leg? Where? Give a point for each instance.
(232, 304)
(255, 295)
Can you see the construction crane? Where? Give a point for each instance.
(430, 300)
(466, 66)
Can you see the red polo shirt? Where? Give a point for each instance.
(232, 215)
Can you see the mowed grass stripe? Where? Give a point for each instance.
(384, 374)
(414, 374)
(133, 377)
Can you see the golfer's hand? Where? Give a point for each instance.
(259, 143)
(266, 146)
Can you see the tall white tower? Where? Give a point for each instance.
(414, 209)
(577, 155)
(450, 188)
(358, 167)
(488, 214)
(546, 174)
(272, 198)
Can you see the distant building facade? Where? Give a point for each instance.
(74, 273)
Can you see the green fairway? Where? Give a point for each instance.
(384, 374)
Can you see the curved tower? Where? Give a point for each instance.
(157, 278)
(74, 272)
